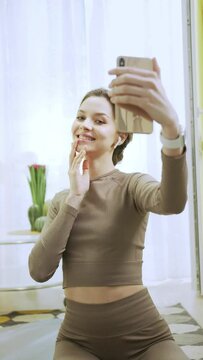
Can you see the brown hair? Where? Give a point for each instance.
(118, 151)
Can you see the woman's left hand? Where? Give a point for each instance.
(142, 89)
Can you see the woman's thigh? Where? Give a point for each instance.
(164, 350)
(68, 350)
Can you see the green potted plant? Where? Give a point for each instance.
(38, 210)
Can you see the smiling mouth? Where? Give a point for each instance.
(85, 138)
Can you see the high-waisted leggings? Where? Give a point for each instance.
(130, 328)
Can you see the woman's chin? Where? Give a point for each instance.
(84, 145)
(80, 147)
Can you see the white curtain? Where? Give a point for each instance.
(51, 53)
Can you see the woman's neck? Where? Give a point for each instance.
(98, 167)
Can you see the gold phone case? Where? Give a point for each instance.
(127, 121)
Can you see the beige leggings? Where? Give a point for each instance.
(130, 328)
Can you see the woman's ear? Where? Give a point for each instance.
(121, 139)
(119, 142)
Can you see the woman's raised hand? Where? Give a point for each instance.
(135, 88)
(79, 182)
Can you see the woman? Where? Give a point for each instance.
(98, 227)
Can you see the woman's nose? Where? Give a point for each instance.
(87, 124)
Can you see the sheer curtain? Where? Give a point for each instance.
(51, 53)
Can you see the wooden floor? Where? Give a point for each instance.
(163, 294)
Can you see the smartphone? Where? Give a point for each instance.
(127, 121)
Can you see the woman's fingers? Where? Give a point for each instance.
(156, 67)
(118, 71)
(79, 180)
(127, 89)
(139, 88)
(72, 152)
(134, 80)
(85, 166)
(78, 159)
(129, 100)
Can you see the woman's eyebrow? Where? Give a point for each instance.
(102, 114)
(97, 113)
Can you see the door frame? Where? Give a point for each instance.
(194, 142)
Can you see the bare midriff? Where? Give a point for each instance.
(101, 294)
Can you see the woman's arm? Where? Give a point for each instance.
(134, 87)
(47, 252)
(138, 87)
(166, 197)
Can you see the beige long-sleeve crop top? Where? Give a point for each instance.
(102, 243)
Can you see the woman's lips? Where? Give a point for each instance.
(85, 138)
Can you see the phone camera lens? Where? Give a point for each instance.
(121, 62)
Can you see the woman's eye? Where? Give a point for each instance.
(80, 118)
(99, 122)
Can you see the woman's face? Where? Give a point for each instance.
(94, 126)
